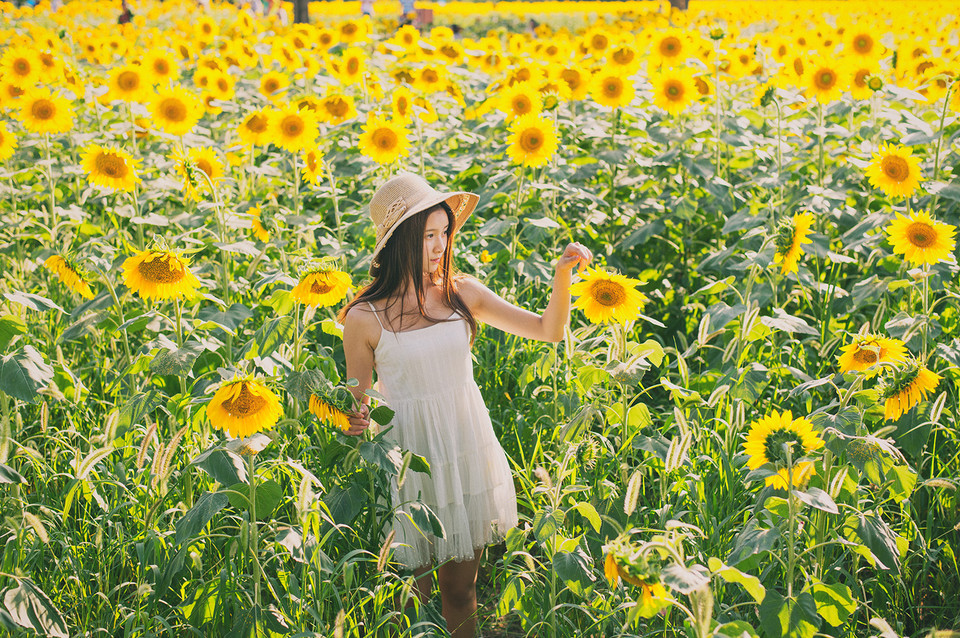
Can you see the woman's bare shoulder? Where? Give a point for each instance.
(472, 291)
(360, 321)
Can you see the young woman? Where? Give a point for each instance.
(414, 324)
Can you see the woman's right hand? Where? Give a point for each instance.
(359, 420)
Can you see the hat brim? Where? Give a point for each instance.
(461, 203)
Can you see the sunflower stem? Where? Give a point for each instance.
(820, 143)
(791, 523)
(296, 192)
(116, 301)
(926, 311)
(336, 204)
(779, 209)
(133, 131)
(179, 315)
(253, 539)
(51, 184)
(936, 156)
(850, 392)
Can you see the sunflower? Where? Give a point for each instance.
(351, 66)
(791, 235)
(273, 84)
(612, 90)
(222, 86)
(8, 143)
(329, 413)
(322, 286)
(825, 80)
(674, 90)
(9, 94)
(42, 111)
(159, 274)
(21, 67)
(159, 67)
(69, 274)
(292, 129)
(336, 108)
(767, 440)
(671, 47)
(869, 350)
(430, 79)
(520, 99)
(895, 170)
(860, 80)
(607, 297)
(920, 239)
(312, 167)
(533, 140)
(908, 387)
(863, 44)
(244, 407)
(128, 83)
(623, 60)
(253, 129)
(574, 84)
(110, 167)
(382, 140)
(176, 110)
(258, 229)
(189, 165)
(401, 103)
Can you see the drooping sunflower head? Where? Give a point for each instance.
(792, 233)
(921, 240)
(383, 140)
(906, 388)
(895, 170)
(533, 140)
(69, 274)
(244, 407)
(159, 274)
(607, 297)
(868, 351)
(772, 436)
(322, 285)
(330, 412)
(110, 167)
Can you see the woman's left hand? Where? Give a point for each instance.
(573, 255)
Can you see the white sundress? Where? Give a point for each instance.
(426, 376)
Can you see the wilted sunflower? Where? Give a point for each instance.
(110, 167)
(159, 274)
(8, 143)
(42, 111)
(244, 407)
(623, 563)
(383, 141)
(532, 141)
(292, 129)
(868, 351)
(909, 385)
(176, 110)
(791, 235)
(521, 99)
(329, 413)
(920, 239)
(895, 170)
(674, 90)
(766, 442)
(607, 297)
(253, 129)
(21, 66)
(322, 286)
(69, 274)
(612, 90)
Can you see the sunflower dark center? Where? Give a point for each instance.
(320, 288)
(257, 123)
(292, 126)
(128, 81)
(674, 91)
(921, 235)
(608, 293)
(336, 107)
(205, 166)
(353, 65)
(271, 85)
(863, 43)
(860, 77)
(112, 165)
(571, 77)
(623, 56)
(531, 140)
(43, 109)
(895, 167)
(173, 109)
(161, 67)
(245, 403)
(866, 357)
(670, 47)
(826, 79)
(613, 87)
(384, 139)
(522, 104)
(159, 271)
(775, 443)
(599, 41)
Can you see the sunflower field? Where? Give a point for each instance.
(750, 428)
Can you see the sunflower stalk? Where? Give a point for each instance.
(253, 540)
(717, 103)
(133, 131)
(820, 137)
(936, 156)
(179, 317)
(791, 522)
(925, 325)
(336, 203)
(51, 185)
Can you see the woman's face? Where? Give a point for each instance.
(435, 235)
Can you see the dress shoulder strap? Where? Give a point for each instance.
(376, 314)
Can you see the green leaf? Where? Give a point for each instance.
(425, 519)
(835, 602)
(817, 498)
(30, 608)
(228, 320)
(268, 495)
(546, 523)
(880, 540)
(685, 579)
(269, 336)
(10, 475)
(788, 323)
(382, 414)
(902, 481)
(32, 301)
(177, 362)
(226, 467)
(136, 407)
(10, 326)
(199, 515)
(753, 540)
(788, 618)
(590, 513)
(377, 452)
(301, 385)
(574, 566)
(510, 596)
(733, 575)
(345, 504)
(736, 629)
(23, 373)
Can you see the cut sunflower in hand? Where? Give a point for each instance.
(330, 412)
(607, 297)
(159, 274)
(244, 407)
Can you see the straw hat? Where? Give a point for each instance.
(407, 194)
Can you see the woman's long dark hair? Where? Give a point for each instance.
(400, 261)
